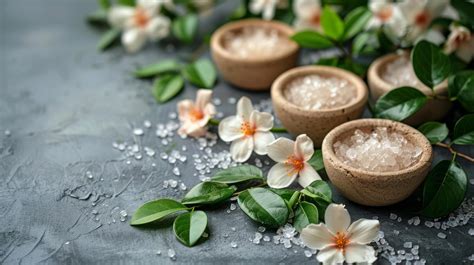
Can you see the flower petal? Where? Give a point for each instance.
(359, 253)
(244, 108)
(317, 236)
(133, 39)
(363, 231)
(184, 106)
(192, 129)
(203, 97)
(229, 129)
(330, 256)
(337, 218)
(119, 15)
(261, 141)
(269, 10)
(158, 28)
(304, 147)
(281, 176)
(307, 175)
(280, 149)
(305, 9)
(241, 149)
(262, 121)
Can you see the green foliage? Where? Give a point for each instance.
(184, 28)
(208, 193)
(430, 64)
(444, 189)
(316, 160)
(332, 24)
(238, 174)
(156, 210)
(464, 130)
(434, 131)
(355, 21)
(108, 38)
(189, 227)
(400, 103)
(201, 73)
(167, 87)
(306, 213)
(152, 70)
(461, 88)
(465, 9)
(312, 39)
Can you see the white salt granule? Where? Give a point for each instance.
(380, 150)
(313, 92)
(400, 72)
(253, 42)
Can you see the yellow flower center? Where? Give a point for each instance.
(247, 129)
(296, 163)
(316, 18)
(140, 17)
(341, 241)
(196, 114)
(422, 19)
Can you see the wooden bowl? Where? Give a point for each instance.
(316, 123)
(369, 187)
(435, 109)
(252, 73)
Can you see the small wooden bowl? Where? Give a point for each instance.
(375, 188)
(252, 73)
(316, 123)
(435, 109)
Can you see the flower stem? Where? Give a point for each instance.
(216, 122)
(454, 152)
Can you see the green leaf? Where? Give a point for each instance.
(465, 9)
(165, 66)
(461, 87)
(305, 214)
(208, 193)
(201, 73)
(286, 194)
(355, 21)
(156, 210)
(189, 227)
(184, 28)
(435, 131)
(264, 206)
(444, 189)
(316, 160)
(332, 24)
(238, 174)
(104, 4)
(430, 64)
(108, 38)
(166, 87)
(98, 18)
(400, 103)
(312, 39)
(126, 2)
(318, 189)
(464, 130)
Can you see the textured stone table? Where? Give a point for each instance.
(65, 104)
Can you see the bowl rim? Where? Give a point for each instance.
(423, 142)
(217, 47)
(374, 76)
(280, 84)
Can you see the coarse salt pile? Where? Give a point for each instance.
(314, 92)
(252, 42)
(400, 72)
(380, 150)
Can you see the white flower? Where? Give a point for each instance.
(266, 7)
(139, 23)
(308, 14)
(418, 15)
(387, 14)
(194, 116)
(291, 157)
(337, 241)
(460, 41)
(248, 131)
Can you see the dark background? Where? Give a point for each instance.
(65, 103)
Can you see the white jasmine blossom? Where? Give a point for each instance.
(248, 131)
(291, 157)
(337, 241)
(386, 14)
(266, 7)
(308, 14)
(194, 116)
(461, 42)
(139, 23)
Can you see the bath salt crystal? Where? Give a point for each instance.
(380, 150)
(251, 42)
(313, 92)
(400, 72)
